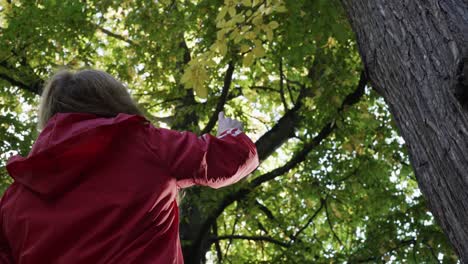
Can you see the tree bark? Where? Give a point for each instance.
(414, 53)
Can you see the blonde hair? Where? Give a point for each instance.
(84, 91)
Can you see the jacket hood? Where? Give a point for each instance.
(69, 145)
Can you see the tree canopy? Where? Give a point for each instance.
(335, 183)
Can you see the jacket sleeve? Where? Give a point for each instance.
(207, 160)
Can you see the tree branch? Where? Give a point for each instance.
(265, 210)
(217, 246)
(222, 99)
(298, 158)
(253, 238)
(279, 133)
(188, 121)
(115, 35)
(322, 202)
(331, 225)
(35, 87)
(283, 99)
(266, 88)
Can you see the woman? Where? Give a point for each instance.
(100, 183)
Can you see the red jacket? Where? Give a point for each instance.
(102, 190)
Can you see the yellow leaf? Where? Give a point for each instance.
(249, 35)
(220, 34)
(273, 24)
(248, 59)
(244, 48)
(348, 147)
(244, 29)
(281, 9)
(222, 13)
(239, 18)
(235, 33)
(221, 47)
(257, 42)
(238, 39)
(201, 90)
(269, 33)
(257, 20)
(259, 51)
(186, 78)
(232, 11)
(335, 210)
(257, 29)
(247, 2)
(221, 23)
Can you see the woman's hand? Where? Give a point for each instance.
(225, 123)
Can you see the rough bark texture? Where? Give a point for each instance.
(413, 52)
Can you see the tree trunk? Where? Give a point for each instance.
(414, 53)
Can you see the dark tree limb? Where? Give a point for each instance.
(217, 246)
(253, 238)
(188, 121)
(115, 35)
(266, 88)
(331, 225)
(265, 210)
(279, 133)
(222, 99)
(34, 87)
(283, 99)
(309, 221)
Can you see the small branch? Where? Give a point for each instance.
(432, 251)
(322, 202)
(222, 99)
(115, 35)
(217, 246)
(189, 120)
(331, 225)
(166, 101)
(259, 87)
(35, 87)
(289, 91)
(283, 99)
(261, 227)
(297, 158)
(233, 231)
(36, 84)
(265, 210)
(165, 119)
(253, 238)
(357, 94)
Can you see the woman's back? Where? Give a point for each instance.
(102, 190)
(91, 191)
